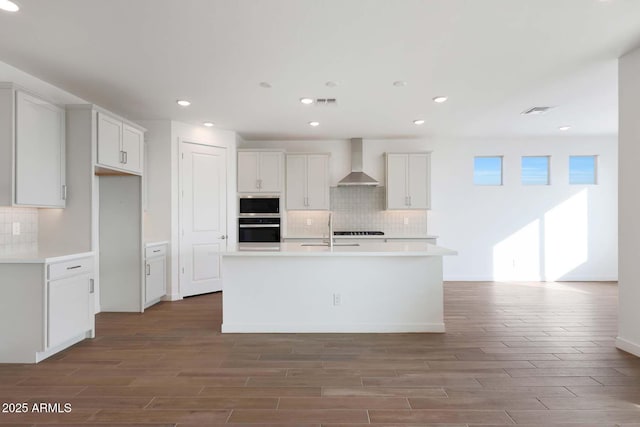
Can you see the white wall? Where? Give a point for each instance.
(517, 232)
(629, 207)
(162, 217)
(511, 232)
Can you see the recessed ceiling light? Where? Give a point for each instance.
(440, 99)
(9, 6)
(331, 84)
(399, 83)
(314, 124)
(564, 128)
(183, 102)
(418, 122)
(265, 85)
(306, 101)
(208, 124)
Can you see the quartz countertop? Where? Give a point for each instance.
(156, 243)
(363, 249)
(36, 256)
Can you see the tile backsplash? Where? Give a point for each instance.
(357, 209)
(28, 220)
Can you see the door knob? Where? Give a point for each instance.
(223, 237)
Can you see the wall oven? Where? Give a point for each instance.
(259, 220)
(259, 229)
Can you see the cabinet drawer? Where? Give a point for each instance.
(155, 251)
(70, 268)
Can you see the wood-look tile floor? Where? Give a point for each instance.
(535, 354)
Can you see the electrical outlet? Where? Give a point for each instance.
(337, 299)
(16, 228)
(406, 220)
(309, 221)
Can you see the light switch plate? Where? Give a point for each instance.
(16, 228)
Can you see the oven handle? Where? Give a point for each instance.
(260, 226)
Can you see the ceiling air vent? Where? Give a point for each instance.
(535, 111)
(326, 101)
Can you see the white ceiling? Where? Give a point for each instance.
(493, 58)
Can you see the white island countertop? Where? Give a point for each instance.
(362, 249)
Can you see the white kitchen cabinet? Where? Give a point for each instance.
(408, 180)
(307, 181)
(51, 306)
(69, 300)
(155, 273)
(32, 150)
(259, 171)
(120, 145)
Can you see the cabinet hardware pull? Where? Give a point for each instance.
(259, 226)
(74, 267)
(126, 157)
(64, 192)
(148, 270)
(91, 286)
(121, 156)
(157, 250)
(409, 200)
(257, 183)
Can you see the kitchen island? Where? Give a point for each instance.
(368, 287)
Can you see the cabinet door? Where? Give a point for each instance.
(248, 172)
(155, 279)
(318, 182)
(69, 309)
(270, 172)
(40, 152)
(133, 147)
(296, 182)
(397, 194)
(418, 181)
(109, 141)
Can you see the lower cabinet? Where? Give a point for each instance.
(51, 306)
(70, 301)
(155, 273)
(69, 311)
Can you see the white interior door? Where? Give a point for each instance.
(203, 218)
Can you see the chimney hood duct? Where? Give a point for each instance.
(357, 176)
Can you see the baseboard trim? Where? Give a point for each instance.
(564, 279)
(331, 328)
(171, 297)
(628, 346)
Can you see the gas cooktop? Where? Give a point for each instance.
(358, 233)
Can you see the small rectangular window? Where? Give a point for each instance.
(582, 170)
(487, 170)
(535, 170)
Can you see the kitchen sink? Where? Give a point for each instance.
(327, 245)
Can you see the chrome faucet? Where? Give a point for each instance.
(331, 229)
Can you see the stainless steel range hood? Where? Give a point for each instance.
(357, 176)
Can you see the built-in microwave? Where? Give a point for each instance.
(259, 206)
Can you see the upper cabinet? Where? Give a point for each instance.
(307, 182)
(32, 150)
(408, 180)
(259, 171)
(120, 146)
